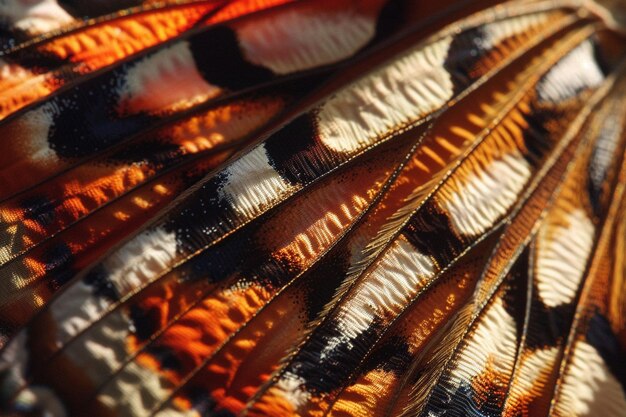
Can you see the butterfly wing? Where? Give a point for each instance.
(316, 208)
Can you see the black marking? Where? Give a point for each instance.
(547, 326)
(205, 215)
(39, 209)
(465, 51)
(392, 356)
(220, 61)
(298, 86)
(145, 321)
(392, 17)
(36, 61)
(228, 257)
(431, 233)
(538, 138)
(165, 356)
(57, 262)
(98, 278)
(324, 370)
(331, 271)
(88, 121)
(601, 336)
(93, 8)
(154, 152)
(274, 272)
(601, 58)
(10, 36)
(202, 216)
(515, 298)
(290, 150)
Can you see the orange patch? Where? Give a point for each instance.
(367, 396)
(202, 329)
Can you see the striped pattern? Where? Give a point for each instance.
(314, 208)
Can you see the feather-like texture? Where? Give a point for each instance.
(312, 208)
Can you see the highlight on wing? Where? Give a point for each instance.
(312, 208)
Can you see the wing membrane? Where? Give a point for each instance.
(313, 208)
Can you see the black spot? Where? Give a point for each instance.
(39, 209)
(601, 58)
(36, 61)
(6, 36)
(88, 120)
(391, 18)
(601, 336)
(200, 217)
(330, 271)
(57, 262)
(298, 86)
(56, 257)
(220, 60)
(92, 8)
(157, 153)
(98, 278)
(289, 150)
(431, 233)
(10, 36)
(392, 356)
(538, 139)
(514, 300)
(548, 326)
(145, 321)
(224, 259)
(165, 356)
(464, 52)
(268, 270)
